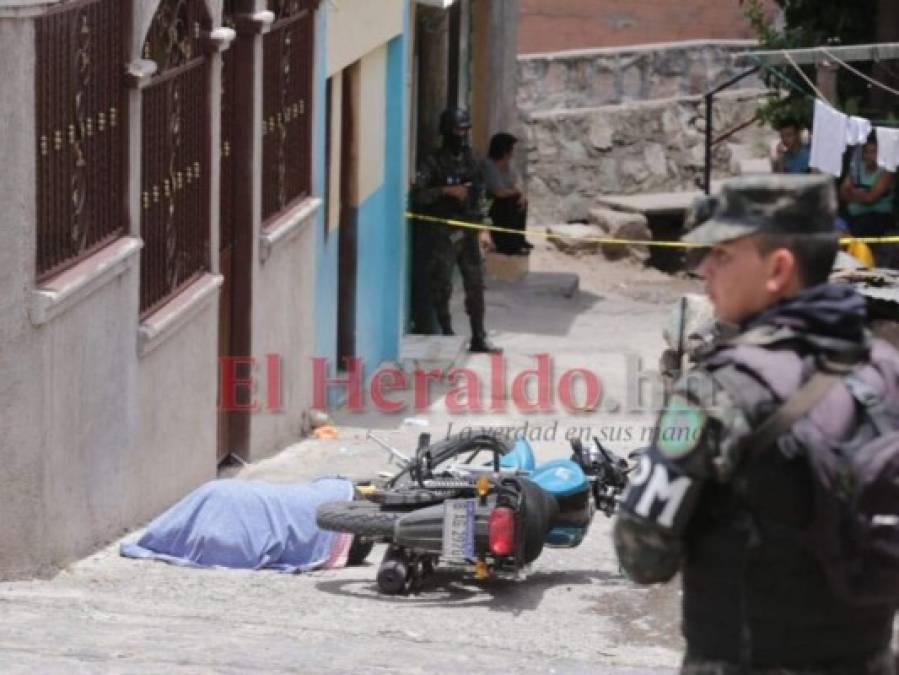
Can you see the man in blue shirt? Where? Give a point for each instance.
(792, 155)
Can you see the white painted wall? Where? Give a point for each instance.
(372, 125)
(22, 537)
(94, 439)
(356, 27)
(333, 178)
(283, 324)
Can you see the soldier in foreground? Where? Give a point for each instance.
(728, 494)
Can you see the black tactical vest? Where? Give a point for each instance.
(752, 593)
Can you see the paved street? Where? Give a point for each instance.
(574, 613)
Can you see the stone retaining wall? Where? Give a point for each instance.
(591, 78)
(655, 146)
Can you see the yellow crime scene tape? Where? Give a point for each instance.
(611, 240)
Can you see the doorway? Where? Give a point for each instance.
(348, 197)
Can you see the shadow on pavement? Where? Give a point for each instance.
(543, 303)
(454, 589)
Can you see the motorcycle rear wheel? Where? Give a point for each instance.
(360, 518)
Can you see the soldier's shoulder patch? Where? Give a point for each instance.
(680, 428)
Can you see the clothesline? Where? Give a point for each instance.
(834, 131)
(858, 73)
(792, 84)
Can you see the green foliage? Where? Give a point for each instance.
(816, 22)
(811, 23)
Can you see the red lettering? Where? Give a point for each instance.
(566, 390)
(383, 381)
(273, 383)
(464, 398)
(497, 383)
(352, 382)
(229, 381)
(422, 389)
(543, 373)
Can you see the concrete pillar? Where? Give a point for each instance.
(432, 34)
(494, 76)
(252, 21)
(502, 75)
(215, 43)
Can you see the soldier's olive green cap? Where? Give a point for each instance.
(776, 204)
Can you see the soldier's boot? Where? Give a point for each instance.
(479, 343)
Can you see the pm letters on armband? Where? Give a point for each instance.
(655, 494)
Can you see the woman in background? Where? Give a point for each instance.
(868, 193)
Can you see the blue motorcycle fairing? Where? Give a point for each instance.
(521, 457)
(560, 477)
(565, 536)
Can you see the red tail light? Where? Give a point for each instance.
(501, 527)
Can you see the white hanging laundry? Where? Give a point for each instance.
(828, 139)
(888, 148)
(858, 130)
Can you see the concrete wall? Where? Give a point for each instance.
(591, 78)
(106, 420)
(285, 287)
(651, 146)
(629, 120)
(94, 437)
(284, 324)
(357, 27)
(174, 449)
(22, 466)
(556, 25)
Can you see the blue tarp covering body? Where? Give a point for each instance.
(245, 524)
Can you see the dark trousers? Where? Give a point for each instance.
(506, 212)
(445, 256)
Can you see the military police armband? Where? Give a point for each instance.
(680, 429)
(660, 492)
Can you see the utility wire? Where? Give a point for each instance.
(805, 77)
(797, 88)
(860, 74)
(786, 80)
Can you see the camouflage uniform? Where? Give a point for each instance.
(703, 504)
(451, 246)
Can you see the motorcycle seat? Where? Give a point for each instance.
(560, 478)
(520, 457)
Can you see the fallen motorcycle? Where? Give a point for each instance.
(446, 505)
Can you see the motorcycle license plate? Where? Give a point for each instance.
(458, 529)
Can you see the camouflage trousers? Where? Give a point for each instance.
(448, 252)
(881, 664)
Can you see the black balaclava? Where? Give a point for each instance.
(456, 143)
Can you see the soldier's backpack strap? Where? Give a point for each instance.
(800, 403)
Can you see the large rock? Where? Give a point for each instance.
(601, 133)
(622, 225)
(656, 160)
(575, 239)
